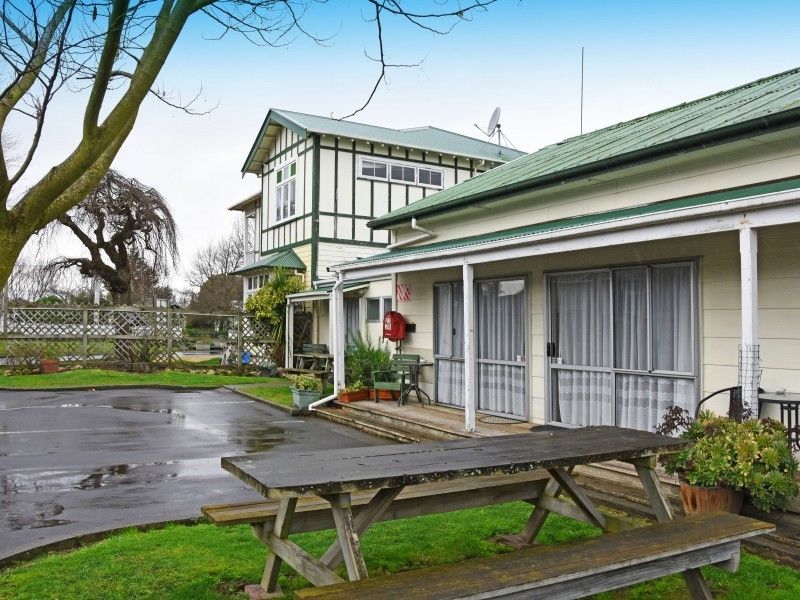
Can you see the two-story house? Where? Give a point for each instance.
(323, 180)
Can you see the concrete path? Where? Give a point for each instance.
(78, 462)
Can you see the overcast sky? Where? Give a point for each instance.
(522, 56)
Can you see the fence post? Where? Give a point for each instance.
(85, 336)
(239, 348)
(169, 335)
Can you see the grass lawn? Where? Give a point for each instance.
(100, 378)
(207, 562)
(277, 391)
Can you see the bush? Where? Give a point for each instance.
(752, 457)
(269, 305)
(363, 357)
(306, 383)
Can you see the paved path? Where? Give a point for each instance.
(79, 462)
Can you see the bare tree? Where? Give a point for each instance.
(111, 52)
(220, 257)
(32, 280)
(129, 233)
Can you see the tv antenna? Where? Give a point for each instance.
(494, 128)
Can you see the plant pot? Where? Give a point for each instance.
(302, 398)
(700, 499)
(49, 365)
(388, 395)
(355, 396)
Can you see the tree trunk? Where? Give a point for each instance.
(11, 244)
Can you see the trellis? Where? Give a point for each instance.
(126, 335)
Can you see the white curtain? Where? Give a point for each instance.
(584, 398)
(672, 318)
(449, 343)
(352, 322)
(582, 304)
(500, 323)
(630, 319)
(643, 399)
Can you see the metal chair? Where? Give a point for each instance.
(398, 378)
(738, 410)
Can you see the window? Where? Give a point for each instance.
(373, 169)
(430, 177)
(285, 204)
(378, 307)
(622, 346)
(402, 173)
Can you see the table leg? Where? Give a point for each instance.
(269, 587)
(362, 521)
(348, 538)
(536, 521)
(698, 588)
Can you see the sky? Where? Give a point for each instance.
(522, 56)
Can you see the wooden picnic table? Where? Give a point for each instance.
(334, 475)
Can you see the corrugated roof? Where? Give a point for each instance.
(431, 139)
(584, 220)
(764, 104)
(283, 258)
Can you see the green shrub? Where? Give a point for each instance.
(363, 357)
(752, 457)
(306, 383)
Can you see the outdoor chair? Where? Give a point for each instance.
(737, 409)
(398, 378)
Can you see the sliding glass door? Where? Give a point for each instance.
(622, 346)
(501, 326)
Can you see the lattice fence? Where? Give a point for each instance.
(129, 335)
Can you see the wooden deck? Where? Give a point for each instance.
(440, 417)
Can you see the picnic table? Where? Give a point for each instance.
(337, 477)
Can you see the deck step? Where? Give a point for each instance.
(431, 431)
(372, 426)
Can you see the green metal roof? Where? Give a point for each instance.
(584, 220)
(283, 258)
(430, 139)
(763, 105)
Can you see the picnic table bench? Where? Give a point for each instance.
(313, 360)
(353, 488)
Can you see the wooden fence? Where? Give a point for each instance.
(158, 336)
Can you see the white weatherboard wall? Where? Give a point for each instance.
(720, 316)
(745, 163)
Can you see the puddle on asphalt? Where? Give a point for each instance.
(41, 515)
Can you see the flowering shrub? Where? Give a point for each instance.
(752, 457)
(305, 383)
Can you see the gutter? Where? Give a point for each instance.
(425, 234)
(776, 122)
(335, 346)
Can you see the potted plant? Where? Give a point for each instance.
(729, 461)
(363, 358)
(305, 390)
(354, 392)
(49, 360)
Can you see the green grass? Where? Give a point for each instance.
(99, 378)
(279, 394)
(206, 562)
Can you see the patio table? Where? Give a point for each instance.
(336, 474)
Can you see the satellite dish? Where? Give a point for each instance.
(494, 122)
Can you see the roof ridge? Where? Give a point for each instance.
(674, 107)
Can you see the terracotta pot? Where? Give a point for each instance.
(388, 395)
(356, 396)
(49, 365)
(701, 499)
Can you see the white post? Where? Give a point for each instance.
(289, 334)
(337, 333)
(470, 360)
(749, 352)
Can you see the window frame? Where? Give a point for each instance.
(389, 163)
(382, 301)
(291, 178)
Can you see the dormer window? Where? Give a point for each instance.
(285, 205)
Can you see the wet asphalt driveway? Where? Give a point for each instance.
(79, 462)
